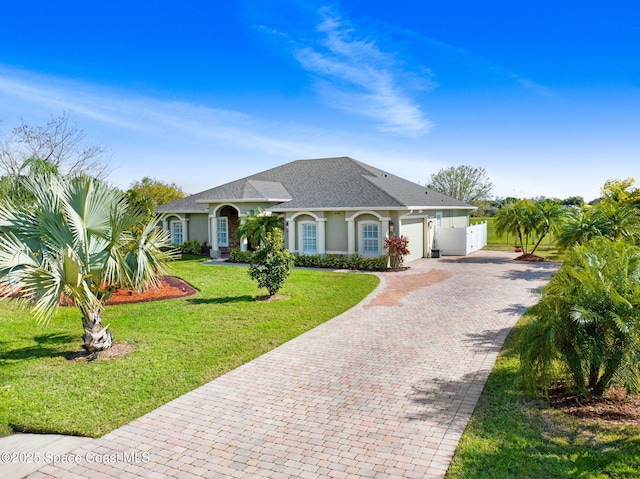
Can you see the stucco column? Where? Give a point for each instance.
(185, 229)
(321, 236)
(243, 241)
(213, 231)
(351, 236)
(165, 225)
(291, 225)
(385, 229)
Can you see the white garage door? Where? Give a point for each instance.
(414, 230)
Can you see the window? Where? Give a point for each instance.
(223, 231)
(176, 232)
(370, 239)
(309, 241)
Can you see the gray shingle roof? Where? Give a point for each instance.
(327, 183)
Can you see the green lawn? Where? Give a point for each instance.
(510, 436)
(181, 344)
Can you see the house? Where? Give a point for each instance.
(329, 206)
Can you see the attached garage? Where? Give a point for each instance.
(413, 228)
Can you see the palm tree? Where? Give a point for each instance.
(75, 242)
(589, 319)
(607, 219)
(547, 214)
(256, 226)
(518, 218)
(578, 226)
(621, 220)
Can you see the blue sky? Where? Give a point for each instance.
(544, 95)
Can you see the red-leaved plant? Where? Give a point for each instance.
(396, 247)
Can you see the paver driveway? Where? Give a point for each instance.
(384, 390)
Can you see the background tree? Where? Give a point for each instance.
(589, 320)
(257, 226)
(59, 143)
(621, 191)
(148, 193)
(272, 263)
(575, 201)
(464, 183)
(12, 186)
(77, 243)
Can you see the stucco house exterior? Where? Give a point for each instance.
(329, 206)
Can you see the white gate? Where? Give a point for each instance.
(461, 241)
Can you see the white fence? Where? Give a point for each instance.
(461, 241)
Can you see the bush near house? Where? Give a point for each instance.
(193, 247)
(333, 261)
(396, 247)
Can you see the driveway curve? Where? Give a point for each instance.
(384, 390)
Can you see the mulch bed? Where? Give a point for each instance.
(614, 408)
(170, 288)
(530, 257)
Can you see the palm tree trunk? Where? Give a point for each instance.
(544, 233)
(95, 337)
(519, 232)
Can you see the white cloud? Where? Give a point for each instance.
(136, 114)
(355, 75)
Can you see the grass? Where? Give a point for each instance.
(511, 436)
(180, 345)
(547, 248)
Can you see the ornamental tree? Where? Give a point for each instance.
(396, 248)
(273, 264)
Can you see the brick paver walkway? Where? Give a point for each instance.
(383, 391)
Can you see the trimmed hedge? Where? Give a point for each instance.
(319, 261)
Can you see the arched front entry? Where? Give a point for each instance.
(224, 222)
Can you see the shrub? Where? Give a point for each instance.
(333, 261)
(272, 263)
(371, 264)
(237, 256)
(191, 247)
(396, 248)
(309, 260)
(342, 262)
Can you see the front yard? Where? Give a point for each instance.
(179, 344)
